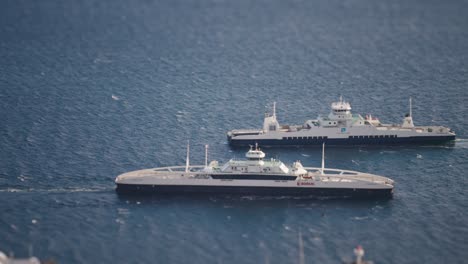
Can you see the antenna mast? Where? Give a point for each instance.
(206, 155)
(187, 160)
(274, 109)
(410, 108)
(323, 158)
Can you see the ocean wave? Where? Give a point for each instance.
(359, 218)
(55, 190)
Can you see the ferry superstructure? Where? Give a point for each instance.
(255, 176)
(4, 259)
(340, 127)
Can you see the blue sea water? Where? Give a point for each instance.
(90, 89)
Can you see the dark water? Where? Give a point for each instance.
(91, 89)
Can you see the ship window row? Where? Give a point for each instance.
(303, 138)
(245, 169)
(253, 177)
(380, 136)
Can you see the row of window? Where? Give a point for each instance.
(351, 137)
(303, 138)
(245, 169)
(381, 136)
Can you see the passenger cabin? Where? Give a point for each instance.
(255, 163)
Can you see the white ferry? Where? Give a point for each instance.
(255, 176)
(4, 259)
(340, 127)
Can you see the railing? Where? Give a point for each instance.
(420, 129)
(195, 171)
(178, 168)
(245, 131)
(175, 172)
(339, 175)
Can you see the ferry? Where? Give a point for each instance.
(4, 259)
(340, 127)
(255, 175)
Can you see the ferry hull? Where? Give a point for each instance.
(143, 189)
(342, 141)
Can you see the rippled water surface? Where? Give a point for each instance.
(91, 89)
